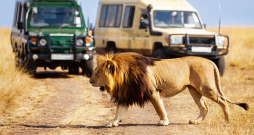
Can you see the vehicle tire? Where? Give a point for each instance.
(74, 69)
(30, 67)
(111, 49)
(220, 63)
(52, 67)
(160, 54)
(88, 68)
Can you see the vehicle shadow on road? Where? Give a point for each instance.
(51, 75)
(95, 127)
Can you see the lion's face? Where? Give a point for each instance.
(97, 79)
(101, 75)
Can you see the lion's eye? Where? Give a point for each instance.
(97, 73)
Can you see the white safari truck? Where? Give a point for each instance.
(158, 28)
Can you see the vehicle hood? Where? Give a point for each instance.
(168, 31)
(46, 32)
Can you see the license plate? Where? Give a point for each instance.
(62, 56)
(201, 49)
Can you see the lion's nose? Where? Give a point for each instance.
(91, 81)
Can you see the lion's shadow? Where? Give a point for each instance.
(95, 127)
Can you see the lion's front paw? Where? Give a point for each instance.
(111, 124)
(163, 123)
(194, 122)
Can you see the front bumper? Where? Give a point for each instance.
(48, 58)
(45, 53)
(186, 49)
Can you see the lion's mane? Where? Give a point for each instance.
(126, 80)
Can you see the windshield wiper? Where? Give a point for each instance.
(175, 27)
(47, 26)
(41, 26)
(67, 25)
(171, 27)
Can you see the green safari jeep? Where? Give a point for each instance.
(52, 33)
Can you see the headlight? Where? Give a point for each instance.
(43, 42)
(221, 41)
(176, 40)
(80, 42)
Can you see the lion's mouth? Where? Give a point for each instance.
(102, 88)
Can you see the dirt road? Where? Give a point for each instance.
(73, 106)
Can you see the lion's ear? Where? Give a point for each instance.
(111, 67)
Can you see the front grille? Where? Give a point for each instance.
(202, 40)
(61, 41)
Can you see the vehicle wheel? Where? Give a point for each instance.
(220, 64)
(74, 69)
(88, 68)
(52, 67)
(160, 54)
(111, 49)
(30, 67)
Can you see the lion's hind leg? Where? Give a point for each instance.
(212, 94)
(200, 103)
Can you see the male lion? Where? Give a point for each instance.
(135, 79)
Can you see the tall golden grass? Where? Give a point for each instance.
(13, 82)
(241, 46)
(238, 85)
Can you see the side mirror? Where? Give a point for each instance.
(204, 26)
(20, 25)
(142, 25)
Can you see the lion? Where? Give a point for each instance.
(133, 79)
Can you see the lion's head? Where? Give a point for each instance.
(123, 75)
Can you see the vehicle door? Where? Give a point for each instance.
(126, 39)
(142, 36)
(18, 28)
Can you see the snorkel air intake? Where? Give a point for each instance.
(155, 33)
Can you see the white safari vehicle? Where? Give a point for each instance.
(159, 28)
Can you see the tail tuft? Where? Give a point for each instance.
(244, 105)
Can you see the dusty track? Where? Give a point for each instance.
(75, 107)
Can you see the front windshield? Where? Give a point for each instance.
(55, 17)
(176, 19)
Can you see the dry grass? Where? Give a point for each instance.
(237, 86)
(13, 82)
(241, 46)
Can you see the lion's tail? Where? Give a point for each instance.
(217, 81)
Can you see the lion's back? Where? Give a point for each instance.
(176, 72)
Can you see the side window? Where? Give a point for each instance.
(110, 15)
(103, 15)
(128, 16)
(20, 13)
(119, 15)
(144, 22)
(16, 15)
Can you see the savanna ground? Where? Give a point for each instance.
(54, 102)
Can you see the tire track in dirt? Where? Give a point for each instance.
(51, 114)
(79, 108)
